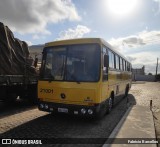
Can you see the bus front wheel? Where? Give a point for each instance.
(109, 105)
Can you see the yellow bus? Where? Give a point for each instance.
(83, 77)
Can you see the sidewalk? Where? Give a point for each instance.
(136, 125)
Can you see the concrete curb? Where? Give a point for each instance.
(116, 129)
(137, 125)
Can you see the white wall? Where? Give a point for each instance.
(136, 77)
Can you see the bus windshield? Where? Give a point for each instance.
(77, 63)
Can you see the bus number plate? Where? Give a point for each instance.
(64, 110)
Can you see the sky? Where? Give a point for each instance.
(131, 26)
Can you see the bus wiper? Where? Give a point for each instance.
(51, 78)
(78, 82)
(74, 77)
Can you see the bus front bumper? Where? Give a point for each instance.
(69, 108)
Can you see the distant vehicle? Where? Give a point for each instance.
(18, 76)
(82, 77)
(12, 86)
(23, 84)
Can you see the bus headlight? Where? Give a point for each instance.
(46, 106)
(83, 111)
(90, 111)
(41, 106)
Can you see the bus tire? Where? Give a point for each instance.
(101, 111)
(126, 91)
(109, 105)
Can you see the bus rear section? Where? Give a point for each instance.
(70, 79)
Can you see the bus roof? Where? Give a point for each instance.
(74, 41)
(82, 41)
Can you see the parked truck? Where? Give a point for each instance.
(18, 74)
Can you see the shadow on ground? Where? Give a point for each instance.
(7, 109)
(65, 126)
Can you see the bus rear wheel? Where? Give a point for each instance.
(126, 91)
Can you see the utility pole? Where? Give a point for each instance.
(157, 67)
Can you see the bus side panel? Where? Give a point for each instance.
(105, 91)
(113, 81)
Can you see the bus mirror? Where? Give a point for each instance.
(106, 60)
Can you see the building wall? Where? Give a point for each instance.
(136, 77)
(138, 71)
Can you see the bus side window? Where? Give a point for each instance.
(128, 68)
(105, 52)
(117, 62)
(111, 59)
(121, 64)
(114, 60)
(105, 74)
(124, 65)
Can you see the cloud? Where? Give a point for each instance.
(143, 57)
(134, 41)
(37, 37)
(29, 43)
(148, 59)
(158, 11)
(77, 32)
(133, 47)
(131, 59)
(33, 16)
